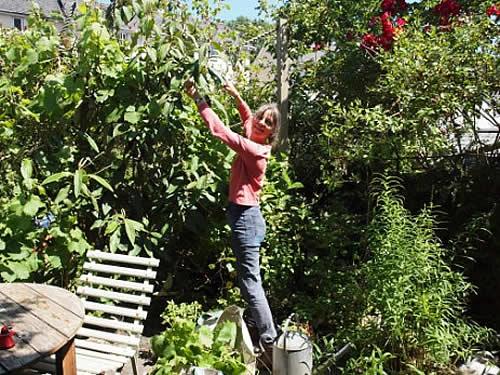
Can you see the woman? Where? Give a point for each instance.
(247, 178)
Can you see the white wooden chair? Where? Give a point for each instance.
(115, 292)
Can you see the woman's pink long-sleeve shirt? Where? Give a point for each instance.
(249, 166)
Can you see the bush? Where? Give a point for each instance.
(415, 303)
(183, 344)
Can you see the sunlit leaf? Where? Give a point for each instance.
(101, 181)
(26, 168)
(78, 182)
(56, 177)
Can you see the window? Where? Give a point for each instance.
(18, 23)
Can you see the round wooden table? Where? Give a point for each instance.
(45, 319)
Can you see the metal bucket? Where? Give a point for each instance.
(292, 354)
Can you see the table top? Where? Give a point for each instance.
(44, 318)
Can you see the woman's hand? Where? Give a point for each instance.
(190, 89)
(231, 90)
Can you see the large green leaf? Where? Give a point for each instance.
(26, 168)
(114, 241)
(62, 194)
(227, 334)
(78, 182)
(92, 143)
(101, 181)
(131, 227)
(131, 115)
(32, 206)
(20, 270)
(31, 57)
(55, 261)
(56, 177)
(111, 227)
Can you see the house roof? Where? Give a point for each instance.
(24, 6)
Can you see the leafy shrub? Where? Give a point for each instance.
(415, 302)
(183, 344)
(119, 158)
(40, 239)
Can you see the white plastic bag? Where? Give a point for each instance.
(243, 340)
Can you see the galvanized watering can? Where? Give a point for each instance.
(292, 354)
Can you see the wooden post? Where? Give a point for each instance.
(66, 359)
(283, 66)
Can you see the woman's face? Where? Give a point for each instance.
(262, 127)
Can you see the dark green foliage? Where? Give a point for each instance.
(183, 344)
(113, 148)
(414, 301)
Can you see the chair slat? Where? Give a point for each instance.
(116, 270)
(123, 311)
(115, 324)
(105, 356)
(122, 258)
(123, 297)
(105, 348)
(113, 337)
(95, 365)
(121, 284)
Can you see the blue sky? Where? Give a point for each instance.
(240, 8)
(244, 8)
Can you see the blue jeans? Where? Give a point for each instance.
(248, 230)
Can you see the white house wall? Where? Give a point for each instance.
(7, 20)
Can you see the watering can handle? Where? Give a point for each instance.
(285, 329)
(287, 322)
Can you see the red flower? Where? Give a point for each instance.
(447, 8)
(400, 22)
(402, 5)
(393, 6)
(388, 5)
(369, 42)
(387, 27)
(493, 11)
(389, 30)
(386, 41)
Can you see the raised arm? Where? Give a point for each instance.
(238, 143)
(241, 145)
(243, 107)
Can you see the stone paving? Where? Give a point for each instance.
(144, 361)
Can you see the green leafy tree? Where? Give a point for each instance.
(398, 109)
(107, 131)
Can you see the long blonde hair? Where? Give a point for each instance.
(276, 117)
